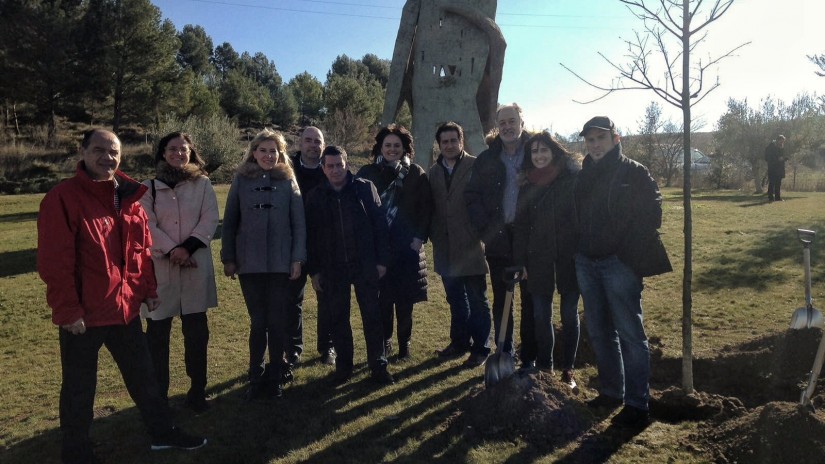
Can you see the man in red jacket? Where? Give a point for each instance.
(93, 254)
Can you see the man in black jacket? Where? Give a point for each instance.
(307, 166)
(491, 196)
(618, 211)
(776, 167)
(348, 244)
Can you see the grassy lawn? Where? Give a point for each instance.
(747, 280)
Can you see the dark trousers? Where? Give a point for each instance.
(403, 311)
(78, 358)
(497, 266)
(774, 186)
(265, 295)
(469, 312)
(295, 319)
(336, 292)
(195, 329)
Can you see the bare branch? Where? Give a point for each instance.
(716, 12)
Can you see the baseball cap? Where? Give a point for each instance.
(598, 122)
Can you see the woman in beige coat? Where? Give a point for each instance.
(183, 216)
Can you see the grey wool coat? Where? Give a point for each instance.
(457, 247)
(175, 214)
(264, 229)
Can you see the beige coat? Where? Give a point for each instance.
(188, 210)
(457, 249)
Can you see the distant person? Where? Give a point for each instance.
(492, 196)
(458, 253)
(619, 209)
(307, 165)
(544, 244)
(348, 246)
(774, 155)
(405, 199)
(183, 215)
(93, 246)
(264, 244)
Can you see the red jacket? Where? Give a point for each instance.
(95, 262)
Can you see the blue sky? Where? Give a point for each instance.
(307, 35)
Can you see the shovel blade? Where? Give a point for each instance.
(499, 366)
(806, 318)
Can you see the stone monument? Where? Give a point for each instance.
(447, 66)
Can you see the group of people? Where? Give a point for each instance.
(110, 249)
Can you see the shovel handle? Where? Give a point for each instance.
(513, 275)
(815, 370)
(806, 236)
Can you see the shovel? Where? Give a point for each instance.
(500, 365)
(808, 316)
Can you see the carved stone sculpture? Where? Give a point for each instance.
(447, 66)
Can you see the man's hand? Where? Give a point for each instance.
(295, 270)
(152, 303)
(179, 256)
(229, 270)
(77, 328)
(382, 270)
(416, 245)
(316, 283)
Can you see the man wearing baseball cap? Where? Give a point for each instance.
(619, 209)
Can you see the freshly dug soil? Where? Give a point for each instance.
(748, 395)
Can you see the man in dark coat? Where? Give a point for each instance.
(618, 212)
(307, 166)
(776, 167)
(491, 196)
(348, 244)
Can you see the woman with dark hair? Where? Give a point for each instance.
(264, 243)
(544, 243)
(183, 215)
(405, 199)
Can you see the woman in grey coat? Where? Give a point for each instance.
(264, 243)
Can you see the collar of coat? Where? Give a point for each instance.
(172, 176)
(281, 171)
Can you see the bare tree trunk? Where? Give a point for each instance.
(16, 121)
(687, 299)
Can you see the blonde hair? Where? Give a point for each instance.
(280, 145)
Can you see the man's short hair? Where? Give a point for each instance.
(515, 107)
(447, 127)
(780, 137)
(87, 136)
(333, 150)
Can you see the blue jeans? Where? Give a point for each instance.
(469, 312)
(612, 295)
(543, 328)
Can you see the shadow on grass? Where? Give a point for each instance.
(754, 268)
(18, 262)
(19, 217)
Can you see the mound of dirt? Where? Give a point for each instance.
(534, 406)
(674, 405)
(775, 432)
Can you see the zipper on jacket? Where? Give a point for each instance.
(343, 234)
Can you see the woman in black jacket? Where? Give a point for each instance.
(405, 199)
(544, 243)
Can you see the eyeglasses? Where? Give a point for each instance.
(184, 149)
